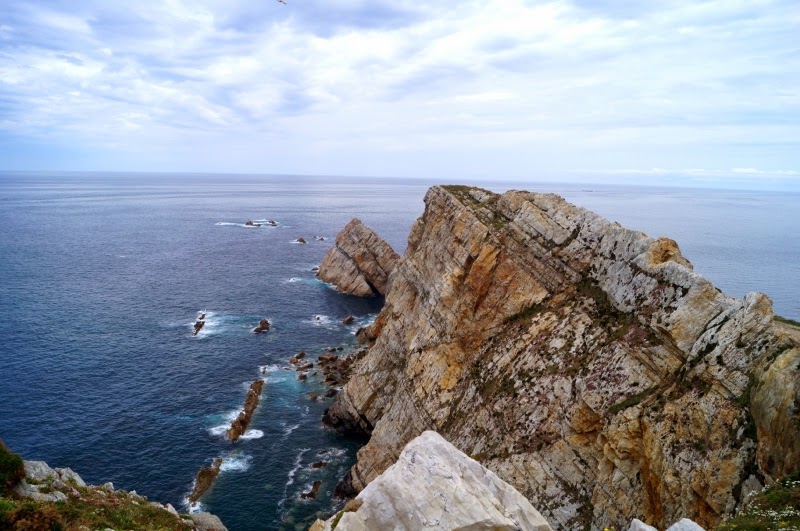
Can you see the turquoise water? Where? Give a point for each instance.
(103, 275)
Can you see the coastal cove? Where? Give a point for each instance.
(103, 277)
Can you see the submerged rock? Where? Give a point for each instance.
(311, 494)
(360, 263)
(435, 486)
(301, 240)
(249, 223)
(348, 320)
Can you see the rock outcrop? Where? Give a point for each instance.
(204, 479)
(434, 486)
(73, 496)
(263, 326)
(360, 263)
(584, 363)
(242, 421)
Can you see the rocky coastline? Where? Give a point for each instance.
(585, 364)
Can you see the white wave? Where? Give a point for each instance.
(264, 369)
(221, 429)
(294, 280)
(236, 463)
(324, 321)
(196, 507)
(297, 466)
(273, 379)
(288, 431)
(332, 454)
(252, 434)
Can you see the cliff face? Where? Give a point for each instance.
(584, 363)
(360, 263)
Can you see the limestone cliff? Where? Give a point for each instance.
(360, 263)
(584, 363)
(434, 486)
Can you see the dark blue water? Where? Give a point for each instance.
(101, 277)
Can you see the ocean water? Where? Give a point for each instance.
(102, 276)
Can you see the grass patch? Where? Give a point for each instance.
(525, 314)
(93, 510)
(776, 507)
(631, 401)
(786, 321)
(12, 469)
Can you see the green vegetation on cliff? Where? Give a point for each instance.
(12, 469)
(776, 507)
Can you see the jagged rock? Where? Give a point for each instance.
(360, 263)
(263, 326)
(302, 377)
(300, 240)
(301, 356)
(239, 426)
(348, 320)
(108, 486)
(685, 525)
(585, 363)
(319, 464)
(207, 522)
(311, 494)
(435, 486)
(198, 325)
(638, 525)
(204, 479)
(250, 223)
(39, 471)
(327, 358)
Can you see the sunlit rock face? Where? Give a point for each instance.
(360, 263)
(585, 363)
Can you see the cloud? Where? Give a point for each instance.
(415, 88)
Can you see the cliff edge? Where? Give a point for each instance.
(584, 363)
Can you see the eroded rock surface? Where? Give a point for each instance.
(585, 363)
(242, 421)
(360, 263)
(434, 486)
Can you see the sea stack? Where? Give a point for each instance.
(360, 263)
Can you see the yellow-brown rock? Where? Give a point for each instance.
(585, 363)
(360, 263)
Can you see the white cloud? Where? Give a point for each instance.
(542, 85)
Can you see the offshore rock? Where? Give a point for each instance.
(205, 478)
(263, 326)
(584, 363)
(434, 486)
(360, 263)
(240, 424)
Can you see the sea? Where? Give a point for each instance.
(103, 275)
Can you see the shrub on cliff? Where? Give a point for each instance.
(12, 469)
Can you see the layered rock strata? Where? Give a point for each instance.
(584, 363)
(360, 263)
(434, 486)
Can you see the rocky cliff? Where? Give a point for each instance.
(434, 486)
(584, 363)
(360, 263)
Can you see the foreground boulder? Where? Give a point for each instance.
(584, 363)
(360, 263)
(435, 486)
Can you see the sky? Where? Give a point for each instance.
(608, 90)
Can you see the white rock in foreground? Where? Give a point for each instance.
(435, 486)
(685, 525)
(638, 525)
